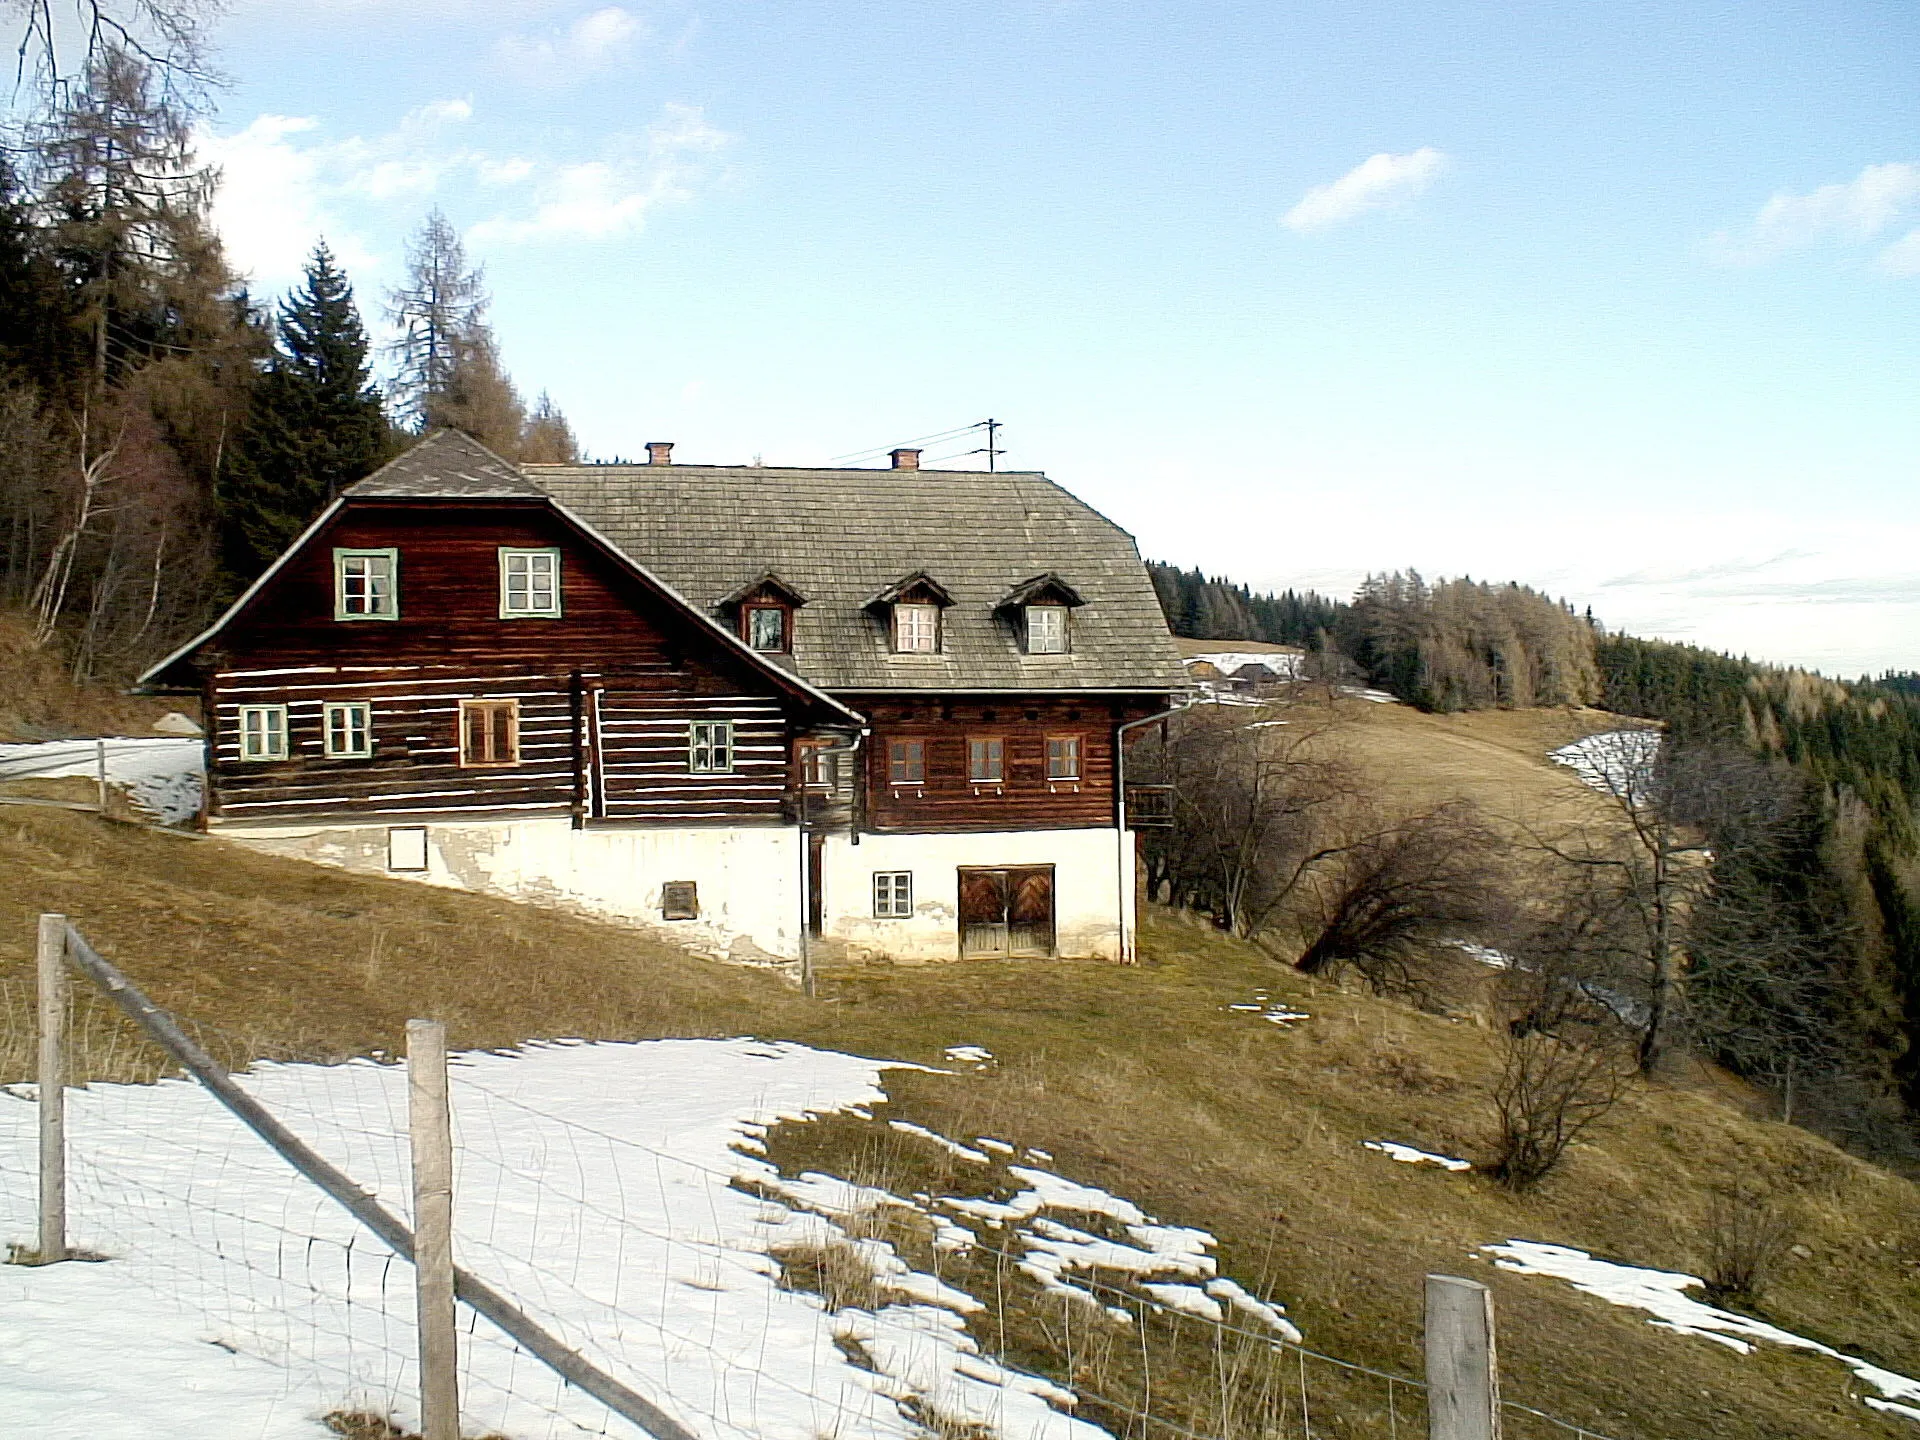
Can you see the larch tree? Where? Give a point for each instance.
(441, 313)
(547, 438)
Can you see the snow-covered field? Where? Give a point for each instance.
(162, 776)
(596, 1185)
(1662, 1294)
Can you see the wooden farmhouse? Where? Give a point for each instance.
(874, 711)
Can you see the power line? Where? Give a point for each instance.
(991, 449)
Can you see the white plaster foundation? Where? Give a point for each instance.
(748, 878)
(1092, 895)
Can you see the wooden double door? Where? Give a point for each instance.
(1006, 911)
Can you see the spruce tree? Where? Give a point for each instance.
(315, 423)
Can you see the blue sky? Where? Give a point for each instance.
(1619, 301)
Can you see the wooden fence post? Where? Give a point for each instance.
(1463, 1374)
(52, 957)
(100, 771)
(431, 1126)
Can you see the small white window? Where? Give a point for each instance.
(263, 732)
(892, 894)
(1063, 757)
(407, 847)
(710, 747)
(916, 629)
(1046, 629)
(529, 583)
(364, 585)
(348, 729)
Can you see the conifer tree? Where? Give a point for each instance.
(315, 423)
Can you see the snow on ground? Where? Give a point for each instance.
(599, 1185)
(1407, 1155)
(975, 1055)
(1615, 762)
(1662, 1294)
(1271, 1010)
(1485, 954)
(162, 776)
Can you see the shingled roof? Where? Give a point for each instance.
(842, 536)
(447, 465)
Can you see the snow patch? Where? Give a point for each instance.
(1661, 1293)
(1407, 1155)
(1614, 762)
(163, 778)
(952, 1147)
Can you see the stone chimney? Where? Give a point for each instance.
(659, 452)
(906, 459)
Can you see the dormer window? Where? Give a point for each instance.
(1040, 610)
(916, 628)
(1046, 629)
(364, 585)
(762, 611)
(767, 627)
(912, 610)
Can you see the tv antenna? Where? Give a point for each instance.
(992, 451)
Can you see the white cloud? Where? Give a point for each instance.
(1856, 211)
(612, 196)
(595, 42)
(284, 186)
(1378, 181)
(1903, 256)
(281, 189)
(269, 209)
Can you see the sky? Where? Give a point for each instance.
(1617, 301)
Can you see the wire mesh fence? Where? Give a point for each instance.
(613, 1193)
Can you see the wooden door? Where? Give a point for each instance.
(1006, 911)
(1030, 911)
(983, 912)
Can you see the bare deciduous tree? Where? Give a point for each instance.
(1390, 894)
(1254, 788)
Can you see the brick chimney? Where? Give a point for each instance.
(906, 459)
(659, 452)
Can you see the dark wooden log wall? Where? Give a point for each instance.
(642, 772)
(644, 667)
(950, 802)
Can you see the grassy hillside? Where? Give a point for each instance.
(1141, 1080)
(39, 701)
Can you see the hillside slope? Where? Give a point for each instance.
(1144, 1080)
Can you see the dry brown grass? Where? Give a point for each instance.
(1411, 761)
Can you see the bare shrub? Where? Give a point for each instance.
(1391, 895)
(1567, 1058)
(1748, 1233)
